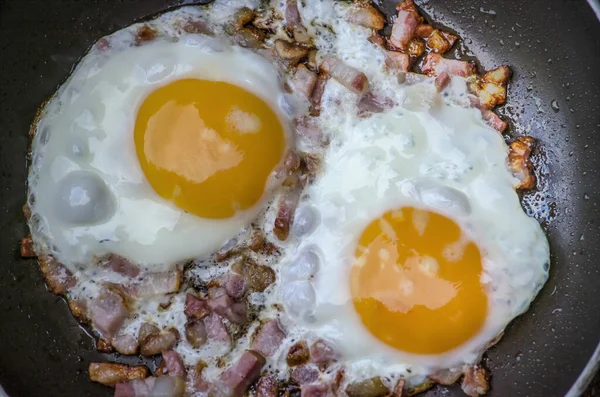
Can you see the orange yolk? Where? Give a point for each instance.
(208, 146)
(415, 282)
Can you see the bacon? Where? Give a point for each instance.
(442, 81)
(235, 380)
(315, 390)
(435, 64)
(158, 342)
(371, 103)
(293, 22)
(27, 250)
(424, 31)
(79, 310)
(305, 374)
(147, 329)
(303, 81)
(268, 338)
(351, 78)
(491, 87)
(108, 313)
(399, 388)
(153, 284)
(195, 333)
(405, 24)
(308, 129)
(298, 354)
(291, 53)
(145, 34)
(372, 387)
(163, 386)
(493, 120)
(195, 308)
(58, 278)
(519, 163)
(173, 363)
(416, 47)
(110, 374)
(440, 41)
(322, 353)
(396, 62)
(422, 387)
(317, 94)
(235, 285)
(365, 14)
(259, 277)
(475, 382)
(216, 330)
(126, 344)
(120, 265)
(266, 387)
(285, 214)
(223, 305)
(104, 346)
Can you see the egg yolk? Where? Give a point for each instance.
(415, 282)
(208, 146)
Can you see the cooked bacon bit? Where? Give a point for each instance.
(196, 26)
(303, 81)
(351, 78)
(396, 62)
(442, 81)
(153, 284)
(26, 211)
(79, 310)
(416, 47)
(311, 62)
(146, 330)
(291, 53)
(450, 38)
(371, 103)
(446, 377)
(108, 313)
(500, 75)
(195, 308)
(200, 384)
(167, 386)
(435, 64)
(144, 34)
(493, 120)
(475, 382)
(156, 343)
(419, 388)
(110, 374)
(437, 42)
(491, 87)
(298, 354)
(364, 14)
(235, 380)
(519, 162)
(235, 285)
(126, 344)
(293, 22)
(195, 333)
(173, 363)
(322, 353)
(399, 388)
(104, 346)
(250, 38)
(405, 24)
(424, 31)
(287, 171)
(268, 338)
(242, 17)
(216, 330)
(102, 45)
(266, 387)
(372, 387)
(307, 128)
(259, 277)
(27, 250)
(120, 265)
(315, 390)
(236, 312)
(285, 214)
(337, 381)
(378, 39)
(305, 374)
(58, 278)
(317, 94)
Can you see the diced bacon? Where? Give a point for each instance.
(351, 78)
(366, 15)
(266, 387)
(145, 34)
(216, 330)
(268, 338)
(163, 386)
(440, 41)
(373, 387)
(157, 343)
(285, 214)
(135, 388)
(500, 75)
(104, 346)
(303, 81)
(491, 87)
(399, 388)
(416, 47)
(58, 278)
(289, 52)
(173, 363)
(298, 354)
(259, 277)
(435, 64)
(196, 26)
(236, 312)
(120, 265)
(293, 22)
(27, 250)
(235, 285)
(371, 103)
(442, 81)
(424, 31)
(146, 330)
(126, 344)
(405, 25)
(475, 382)
(396, 62)
(195, 333)
(79, 310)
(305, 374)
(317, 94)
(108, 313)
(493, 120)
(322, 353)
(315, 390)
(153, 284)
(308, 129)
(195, 307)
(235, 380)
(519, 163)
(110, 374)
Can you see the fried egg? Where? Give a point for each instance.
(158, 153)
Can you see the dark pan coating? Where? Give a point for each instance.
(553, 48)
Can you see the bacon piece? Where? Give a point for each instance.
(442, 81)
(291, 53)
(405, 24)
(315, 390)
(27, 250)
(365, 14)
(424, 31)
(396, 62)
(144, 34)
(195, 307)
(418, 388)
(305, 374)
(293, 22)
(259, 277)
(79, 310)
(199, 383)
(268, 338)
(322, 353)
(491, 87)
(446, 377)
(135, 388)
(250, 38)
(266, 387)
(195, 333)
(196, 26)
(493, 120)
(215, 329)
(303, 81)
(519, 163)
(223, 305)
(351, 78)
(58, 278)
(399, 388)
(147, 329)
(371, 103)
(317, 94)
(110, 374)
(372, 387)
(126, 344)
(104, 346)
(120, 265)
(235, 380)
(285, 214)
(298, 354)
(235, 285)
(475, 382)
(173, 363)
(163, 386)
(435, 64)
(108, 313)
(416, 47)
(440, 42)
(156, 343)
(307, 128)
(153, 284)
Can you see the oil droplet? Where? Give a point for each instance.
(554, 105)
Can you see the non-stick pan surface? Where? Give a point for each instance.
(554, 49)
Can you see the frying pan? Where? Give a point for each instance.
(554, 50)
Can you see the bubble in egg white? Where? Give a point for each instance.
(299, 298)
(305, 220)
(446, 198)
(303, 267)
